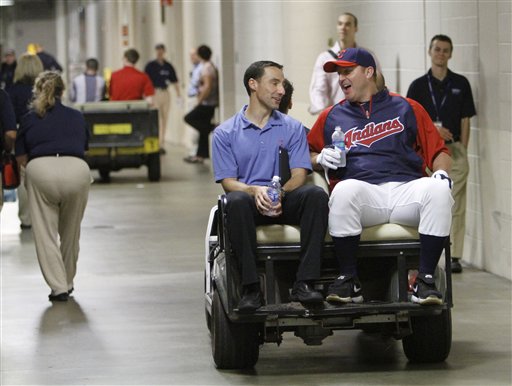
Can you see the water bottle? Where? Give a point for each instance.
(274, 192)
(338, 140)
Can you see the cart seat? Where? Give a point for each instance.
(290, 234)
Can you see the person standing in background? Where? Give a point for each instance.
(7, 69)
(51, 142)
(286, 101)
(192, 91)
(49, 62)
(448, 99)
(129, 83)
(7, 131)
(324, 90)
(162, 74)
(28, 69)
(200, 118)
(89, 86)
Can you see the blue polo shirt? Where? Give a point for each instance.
(244, 151)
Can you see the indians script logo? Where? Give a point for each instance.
(372, 133)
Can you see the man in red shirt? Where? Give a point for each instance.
(129, 83)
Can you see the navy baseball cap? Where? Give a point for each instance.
(351, 57)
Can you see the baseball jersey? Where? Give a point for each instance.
(387, 139)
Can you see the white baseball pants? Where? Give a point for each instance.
(424, 203)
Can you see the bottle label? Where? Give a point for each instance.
(274, 195)
(339, 145)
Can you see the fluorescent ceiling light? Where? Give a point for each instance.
(5, 3)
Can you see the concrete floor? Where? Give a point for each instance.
(137, 314)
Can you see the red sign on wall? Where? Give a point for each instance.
(166, 2)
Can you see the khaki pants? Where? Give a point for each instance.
(162, 101)
(58, 189)
(459, 175)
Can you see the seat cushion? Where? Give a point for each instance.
(288, 234)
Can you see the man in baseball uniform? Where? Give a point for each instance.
(389, 141)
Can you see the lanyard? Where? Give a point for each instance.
(434, 97)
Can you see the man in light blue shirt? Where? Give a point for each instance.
(245, 158)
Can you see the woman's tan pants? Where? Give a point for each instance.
(58, 188)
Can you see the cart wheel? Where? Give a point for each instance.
(234, 345)
(104, 175)
(431, 338)
(154, 167)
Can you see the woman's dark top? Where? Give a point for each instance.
(62, 131)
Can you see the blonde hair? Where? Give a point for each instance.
(27, 69)
(48, 87)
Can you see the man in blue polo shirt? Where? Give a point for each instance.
(245, 158)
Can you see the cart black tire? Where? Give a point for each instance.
(104, 175)
(154, 167)
(234, 345)
(431, 338)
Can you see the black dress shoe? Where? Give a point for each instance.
(304, 293)
(250, 302)
(63, 297)
(456, 266)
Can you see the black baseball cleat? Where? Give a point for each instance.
(425, 291)
(345, 289)
(305, 293)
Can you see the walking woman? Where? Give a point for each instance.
(52, 140)
(28, 68)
